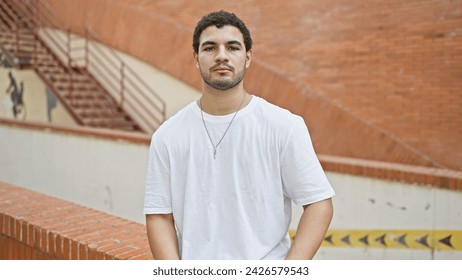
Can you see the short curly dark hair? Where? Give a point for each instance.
(220, 19)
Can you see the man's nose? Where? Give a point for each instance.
(221, 54)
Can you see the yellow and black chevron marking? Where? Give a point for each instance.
(405, 239)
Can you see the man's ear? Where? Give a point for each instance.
(196, 58)
(248, 58)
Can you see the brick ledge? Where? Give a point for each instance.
(37, 226)
(427, 176)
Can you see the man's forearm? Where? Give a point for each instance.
(311, 230)
(162, 236)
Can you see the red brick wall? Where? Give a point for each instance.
(375, 80)
(36, 226)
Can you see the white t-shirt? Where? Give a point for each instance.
(237, 206)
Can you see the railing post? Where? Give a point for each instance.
(71, 87)
(69, 66)
(34, 57)
(16, 47)
(122, 83)
(86, 49)
(68, 47)
(36, 13)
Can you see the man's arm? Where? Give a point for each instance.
(162, 236)
(311, 230)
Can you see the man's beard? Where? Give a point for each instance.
(223, 84)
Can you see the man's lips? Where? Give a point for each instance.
(222, 70)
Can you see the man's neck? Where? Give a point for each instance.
(223, 102)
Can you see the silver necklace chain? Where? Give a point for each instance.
(229, 125)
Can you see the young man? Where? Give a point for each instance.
(223, 171)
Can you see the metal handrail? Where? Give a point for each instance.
(129, 76)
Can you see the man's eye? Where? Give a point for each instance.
(233, 48)
(208, 49)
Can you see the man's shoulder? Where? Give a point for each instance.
(276, 114)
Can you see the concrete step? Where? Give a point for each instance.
(111, 123)
(83, 94)
(79, 85)
(86, 103)
(88, 113)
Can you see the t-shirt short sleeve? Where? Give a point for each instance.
(303, 178)
(157, 199)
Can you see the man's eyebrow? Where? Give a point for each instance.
(232, 42)
(208, 43)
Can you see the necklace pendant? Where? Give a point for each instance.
(229, 125)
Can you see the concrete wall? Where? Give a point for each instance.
(102, 174)
(106, 173)
(367, 206)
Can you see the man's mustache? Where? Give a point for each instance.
(222, 65)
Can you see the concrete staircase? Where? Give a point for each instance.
(89, 103)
